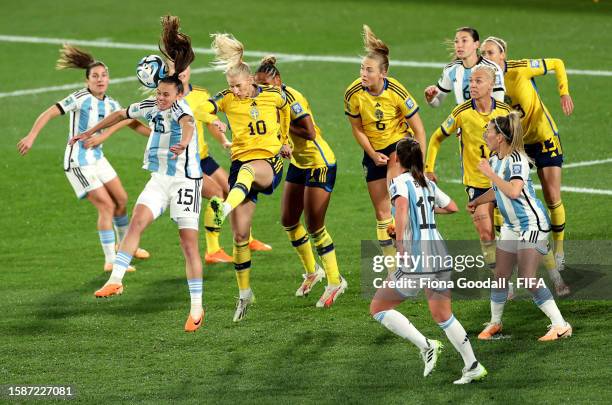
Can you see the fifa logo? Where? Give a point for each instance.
(379, 114)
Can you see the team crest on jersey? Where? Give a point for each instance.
(297, 108)
(254, 112)
(534, 63)
(516, 169)
(410, 104)
(379, 114)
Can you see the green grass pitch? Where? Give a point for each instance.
(133, 348)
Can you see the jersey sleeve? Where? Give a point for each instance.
(559, 67)
(441, 198)
(408, 105)
(201, 113)
(450, 124)
(351, 102)
(139, 110)
(397, 189)
(499, 88)
(297, 109)
(68, 104)
(444, 83)
(180, 110)
(217, 102)
(519, 169)
(285, 117)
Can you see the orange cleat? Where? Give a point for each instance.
(557, 332)
(109, 290)
(108, 267)
(258, 246)
(490, 330)
(138, 254)
(218, 257)
(192, 325)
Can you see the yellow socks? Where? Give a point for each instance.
(557, 220)
(242, 265)
(498, 219)
(488, 251)
(211, 231)
(241, 188)
(299, 239)
(385, 241)
(325, 248)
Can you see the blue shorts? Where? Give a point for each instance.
(373, 172)
(277, 168)
(209, 165)
(475, 192)
(322, 177)
(545, 154)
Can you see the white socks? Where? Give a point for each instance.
(458, 337)
(401, 326)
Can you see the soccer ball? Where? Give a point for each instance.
(150, 70)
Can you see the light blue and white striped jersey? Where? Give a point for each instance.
(456, 78)
(166, 132)
(421, 236)
(525, 212)
(85, 111)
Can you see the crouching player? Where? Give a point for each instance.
(172, 158)
(416, 199)
(524, 234)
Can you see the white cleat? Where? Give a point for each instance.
(476, 373)
(430, 356)
(331, 294)
(309, 281)
(241, 307)
(560, 261)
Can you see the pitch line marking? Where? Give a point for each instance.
(259, 54)
(567, 189)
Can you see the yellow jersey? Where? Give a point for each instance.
(195, 97)
(522, 95)
(472, 124)
(259, 124)
(383, 116)
(307, 154)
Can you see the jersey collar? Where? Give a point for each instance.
(493, 104)
(103, 98)
(385, 85)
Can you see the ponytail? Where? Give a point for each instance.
(375, 48)
(74, 58)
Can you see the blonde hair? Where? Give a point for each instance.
(228, 54)
(501, 44)
(510, 128)
(72, 57)
(375, 48)
(490, 72)
(175, 45)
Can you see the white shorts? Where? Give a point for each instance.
(84, 179)
(183, 195)
(512, 241)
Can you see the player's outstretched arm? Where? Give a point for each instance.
(217, 128)
(363, 141)
(417, 126)
(432, 153)
(25, 144)
(107, 122)
(100, 138)
(487, 197)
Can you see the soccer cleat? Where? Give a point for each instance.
(217, 206)
(490, 330)
(109, 290)
(430, 356)
(331, 293)
(561, 289)
(141, 254)
(192, 325)
(309, 281)
(138, 254)
(557, 332)
(218, 257)
(241, 307)
(258, 246)
(476, 373)
(108, 267)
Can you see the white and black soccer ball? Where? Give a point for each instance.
(150, 70)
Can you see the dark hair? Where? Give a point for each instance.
(472, 31)
(74, 58)
(173, 80)
(268, 67)
(411, 158)
(175, 45)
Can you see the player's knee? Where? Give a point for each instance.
(121, 202)
(242, 235)
(314, 224)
